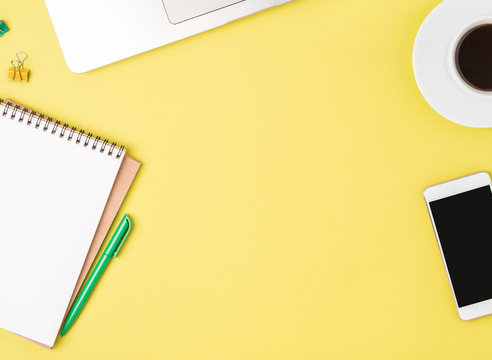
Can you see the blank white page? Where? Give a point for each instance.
(181, 10)
(52, 195)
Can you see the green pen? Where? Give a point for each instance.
(111, 251)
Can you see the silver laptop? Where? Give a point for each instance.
(94, 33)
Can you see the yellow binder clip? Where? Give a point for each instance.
(17, 71)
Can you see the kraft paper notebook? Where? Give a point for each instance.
(59, 194)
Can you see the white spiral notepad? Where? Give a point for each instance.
(52, 197)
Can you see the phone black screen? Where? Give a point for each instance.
(464, 226)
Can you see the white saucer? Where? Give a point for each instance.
(442, 89)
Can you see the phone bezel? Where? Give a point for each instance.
(445, 190)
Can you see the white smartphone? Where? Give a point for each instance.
(461, 214)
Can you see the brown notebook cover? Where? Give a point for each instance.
(128, 170)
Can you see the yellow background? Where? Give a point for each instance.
(279, 210)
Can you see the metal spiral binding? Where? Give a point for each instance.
(54, 127)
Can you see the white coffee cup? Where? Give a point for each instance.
(452, 54)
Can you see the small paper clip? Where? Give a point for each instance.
(17, 71)
(3, 28)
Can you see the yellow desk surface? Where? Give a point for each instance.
(279, 211)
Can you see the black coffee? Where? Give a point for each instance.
(474, 57)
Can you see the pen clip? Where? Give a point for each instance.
(127, 219)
